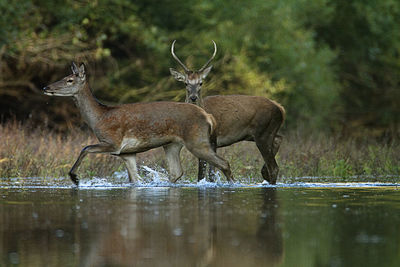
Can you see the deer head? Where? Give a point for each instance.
(70, 85)
(192, 79)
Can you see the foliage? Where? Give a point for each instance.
(368, 43)
(332, 64)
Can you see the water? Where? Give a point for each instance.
(199, 225)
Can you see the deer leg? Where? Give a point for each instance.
(131, 166)
(98, 148)
(203, 164)
(202, 170)
(275, 147)
(277, 143)
(206, 153)
(211, 173)
(172, 152)
(211, 168)
(270, 168)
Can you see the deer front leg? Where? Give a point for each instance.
(172, 153)
(131, 166)
(98, 148)
(211, 168)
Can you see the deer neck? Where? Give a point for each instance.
(90, 108)
(200, 102)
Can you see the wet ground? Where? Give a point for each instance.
(50, 223)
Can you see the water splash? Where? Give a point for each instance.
(97, 182)
(158, 178)
(155, 176)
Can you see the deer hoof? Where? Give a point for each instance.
(174, 180)
(74, 178)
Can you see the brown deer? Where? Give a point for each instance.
(239, 117)
(128, 129)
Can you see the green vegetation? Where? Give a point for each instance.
(333, 64)
(38, 152)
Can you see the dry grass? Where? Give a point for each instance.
(28, 152)
(33, 152)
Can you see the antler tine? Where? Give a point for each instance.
(177, 59)
(208, 62)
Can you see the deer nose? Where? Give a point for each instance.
(193, 98)
(45, 88)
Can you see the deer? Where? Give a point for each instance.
(239, 117)
(127, 129)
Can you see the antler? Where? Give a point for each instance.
(208, 62)
(177, 59)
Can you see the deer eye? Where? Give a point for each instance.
(201, 83)
(70, 80)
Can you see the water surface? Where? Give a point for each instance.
(339, 225)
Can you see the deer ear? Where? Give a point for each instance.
(177, 75)
(82, 73)
(205, 72)
(74, 68)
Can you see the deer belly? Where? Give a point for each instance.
(135, 145)
(228, 139)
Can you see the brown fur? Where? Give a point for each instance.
(125, 130)
(238, 117)
(249, 118)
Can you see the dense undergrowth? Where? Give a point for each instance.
(33, 152)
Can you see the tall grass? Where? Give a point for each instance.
(33, 152)
(27, 152)
(339, 159)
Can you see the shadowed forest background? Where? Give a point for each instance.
(333, 64)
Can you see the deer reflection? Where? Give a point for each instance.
(177, 229)
(269, 233)
(249, 236)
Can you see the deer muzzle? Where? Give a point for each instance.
(46, 91)
(193, 98)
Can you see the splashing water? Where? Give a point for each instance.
(159, 178)
(155, 176)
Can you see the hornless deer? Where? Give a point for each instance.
(127, 129)
(239, 117)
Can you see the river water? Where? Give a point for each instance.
(199, 225)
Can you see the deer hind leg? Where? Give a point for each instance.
(203, 164)
(211, 173)
(268, 150)
(206, 153)
(277, 143)
(172, 153)
(264, 171)
(98, 148)
(202, 170)
(131, 166)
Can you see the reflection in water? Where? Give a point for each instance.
(200, 227)
(141, 227)
(269, 233)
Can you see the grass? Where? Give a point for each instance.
(34, 152)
